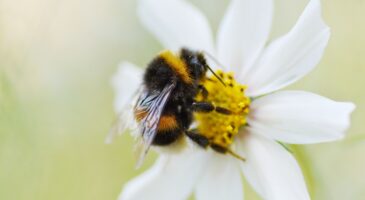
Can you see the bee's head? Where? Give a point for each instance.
(196, 63)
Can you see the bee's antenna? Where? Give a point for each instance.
(213, 58)
(219, 78)
(210, 69)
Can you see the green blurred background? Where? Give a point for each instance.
(56, 100)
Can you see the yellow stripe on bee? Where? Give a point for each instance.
(178, 65)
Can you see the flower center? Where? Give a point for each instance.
(218, 127)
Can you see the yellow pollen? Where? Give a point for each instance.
(220, 128)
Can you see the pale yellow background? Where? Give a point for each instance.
(56, 61)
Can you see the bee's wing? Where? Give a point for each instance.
(153, 105)
(125, 119)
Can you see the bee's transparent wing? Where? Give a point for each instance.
(153, 104)
(125, 119)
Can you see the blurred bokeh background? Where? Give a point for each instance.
(56, 100)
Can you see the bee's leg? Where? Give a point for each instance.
(204, 91)
(221, 149)
(201, 140)
(209, 107)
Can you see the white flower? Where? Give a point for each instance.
(296, 117)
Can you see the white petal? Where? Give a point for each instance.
(126, 82)
(271, 170)
(243, 32)
(292, 56)
(176, 24)
(172, 177)
(221, 180)
(300, 117)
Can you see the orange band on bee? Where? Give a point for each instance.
(167, 122)
(178, 65)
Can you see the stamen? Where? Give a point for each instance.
(221, 128)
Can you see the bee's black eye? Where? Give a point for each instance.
(197, 70)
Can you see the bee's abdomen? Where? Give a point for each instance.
(167, 122)
(167, 137)
(168, 131)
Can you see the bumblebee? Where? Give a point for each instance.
(166, 101)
